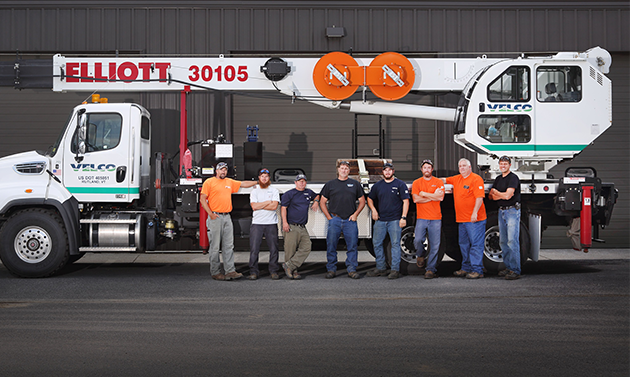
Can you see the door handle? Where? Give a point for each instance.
(121, 172)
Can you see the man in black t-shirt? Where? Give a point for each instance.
(506, 190)
(339, 205)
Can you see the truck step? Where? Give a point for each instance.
(106, 249)
(106, 221)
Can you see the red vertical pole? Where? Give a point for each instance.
(585, 218)
(183, 127)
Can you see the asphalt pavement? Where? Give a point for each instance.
(320, 256)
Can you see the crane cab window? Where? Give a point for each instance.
(559, 84)
(505, 128)
(103, 132)
(511, 86)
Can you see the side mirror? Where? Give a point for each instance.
(81, 135)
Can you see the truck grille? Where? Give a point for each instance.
(30, 168)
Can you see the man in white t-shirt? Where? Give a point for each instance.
(264, 200)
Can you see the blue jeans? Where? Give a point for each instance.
(509, 226)
(381, 230)
(337, 226)
(471, 236)
(432, 229)
(256, 232)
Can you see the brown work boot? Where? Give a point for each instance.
(460, 273)
(218, 277)
(474, 275)
(502, 273)
(420, 262)
(233, 275)
(430, 275)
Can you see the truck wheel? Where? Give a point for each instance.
(493, 256)
(33, 243)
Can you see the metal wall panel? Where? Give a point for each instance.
(449, 28)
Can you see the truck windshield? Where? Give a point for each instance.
(52, 150)
(464, 99)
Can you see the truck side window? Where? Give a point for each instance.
(559, 84)
(145, 128)
(511, 86)
(103, 132)
(505, 128)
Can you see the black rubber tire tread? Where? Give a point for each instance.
(53, 224)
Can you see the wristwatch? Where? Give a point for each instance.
(404, 218)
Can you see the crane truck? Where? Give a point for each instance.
(100, 188)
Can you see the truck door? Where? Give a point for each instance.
(98, 171)
(506, 125)
(560, 110)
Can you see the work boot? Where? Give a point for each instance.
(287, 271)
(430, 275)
(512, 276)
(474, 275)
(393, 275)
(460, 273)
(354, 275)
(331, 275)
(253, 276)
(275, 276)
(219, 276)
(296, 275)
(233, 275)
(504, 272)
(376, 272)
(420, 262)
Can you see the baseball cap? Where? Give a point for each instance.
(222, 165)
(263, 171)
(427, 161)
(343, 162)
(505, 158)
(300, 176)
(388, 165)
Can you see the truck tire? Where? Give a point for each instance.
(33, 243)
(492, 254)
(407, 250)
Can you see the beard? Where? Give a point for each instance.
(263, 185)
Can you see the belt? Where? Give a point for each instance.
(300, 225)
(221, 213)
(516, 206)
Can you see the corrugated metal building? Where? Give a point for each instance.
(303, 135)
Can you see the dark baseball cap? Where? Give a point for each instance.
(300, 176)
(388, 165)
(343, 162)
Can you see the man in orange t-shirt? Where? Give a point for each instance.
(428, 192)
(216, 199)
(470, 213)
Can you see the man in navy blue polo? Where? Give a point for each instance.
(389, 202)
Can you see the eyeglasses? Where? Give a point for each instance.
(344, 163)
(505, 158)
(263, 171)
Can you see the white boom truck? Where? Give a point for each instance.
(93, 190)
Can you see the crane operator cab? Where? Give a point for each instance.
(536, 108)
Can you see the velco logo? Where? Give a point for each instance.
(350, 184)
(93, 167)
(509, 108)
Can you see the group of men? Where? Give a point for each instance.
(341, 200)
